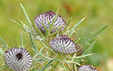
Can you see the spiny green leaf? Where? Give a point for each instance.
(82, 56)
(41, 59)
(86, 36)
(34, 69)
(57, 60)
(76, 25)
(100, 30)
(85, 42)
(71, 33)
(1, 68)
(18, 24)
(73, 62)
(89, 49)
(78, 35)
(59, 27)
(26, 15)
(45, 45)
(86, 52)
(45, 28)
(46, 65)
(54, 19)
(2, 60)
(65, 67)
(21, 40)
(48, 58)
(49, 23)
(33, 44)
(67, 24)
(37, 29)
(26, 28)
(95, 34)
(1, 51)
(4, 43)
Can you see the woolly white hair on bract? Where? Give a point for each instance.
(63, 44)
(86, 68)
(18, 59)
(48, 17)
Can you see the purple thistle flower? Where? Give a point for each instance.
(63, 44)
(18, 59)
(48, 17)
(86, 68)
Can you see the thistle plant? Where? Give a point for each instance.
(55, 49)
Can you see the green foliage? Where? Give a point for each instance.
(71, 31)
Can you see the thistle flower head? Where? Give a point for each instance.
(63, 44)
(18, 59)
(86, 68)
(48, 17)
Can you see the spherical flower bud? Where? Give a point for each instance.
(48, 17)
(18, 59)
(86, 68)
(63, 44)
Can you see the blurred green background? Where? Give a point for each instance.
(98, 12)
